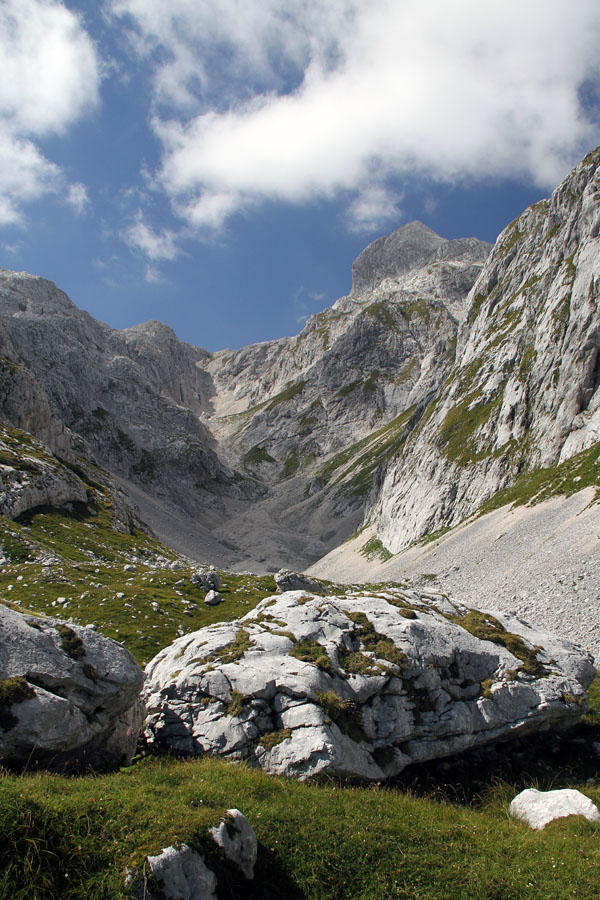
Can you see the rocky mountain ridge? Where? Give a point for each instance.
(218, 448)
(441, 378)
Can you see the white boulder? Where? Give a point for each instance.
(68, 696)
(361, 685)
(538, 808)
(183, 875)
(235, 836)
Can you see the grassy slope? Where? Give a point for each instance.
(88, 568)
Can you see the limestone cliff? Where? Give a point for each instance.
(524, 390)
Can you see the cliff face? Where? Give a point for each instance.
(131, 398)
(524, 390)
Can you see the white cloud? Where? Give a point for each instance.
(77, 197)
(154, 245)
(24, 175)
(50, 78)
(373, 207)
(278, 99)
(153, 275)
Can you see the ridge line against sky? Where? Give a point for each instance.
(218, 164)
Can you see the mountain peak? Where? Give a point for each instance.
(409, 247)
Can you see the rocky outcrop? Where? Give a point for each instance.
(292, 581)
(447, 268)
(69, 698)
(31, 477)
(538, 808)
(360, 685)
(524, 392)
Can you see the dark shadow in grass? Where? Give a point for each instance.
(548, 760)
(46, 854)
(270, 882)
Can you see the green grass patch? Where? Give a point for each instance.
(565, 479)
(291, 391)
(374, 549)
(312, 652)
(458, 432)
(234, 651)
(356, 465)
(345, 714)
(382, 313)
(377, 643)
(88, 558)
(291, 464)
(257, 455)
(488, 628)
(237, 703)
(273, 738)
(70, 641)
(445, 828)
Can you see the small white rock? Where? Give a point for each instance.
(237, 840)
(538, 808)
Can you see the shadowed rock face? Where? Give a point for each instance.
(361, 685)
(69, 698)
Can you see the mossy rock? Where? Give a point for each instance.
(12, 692)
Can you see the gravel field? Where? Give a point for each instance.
(541, 562)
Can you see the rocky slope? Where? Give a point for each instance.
(235, 457)
(409, 403)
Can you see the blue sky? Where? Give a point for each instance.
(218, 164)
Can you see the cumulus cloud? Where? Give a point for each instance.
(155, 245)
(290, 100)
(24, 175)
(50, 78)
(372, 208)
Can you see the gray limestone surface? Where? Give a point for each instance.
(69, 698)
(524, 391)
(539, 562)
(229, 455)
(361, 685)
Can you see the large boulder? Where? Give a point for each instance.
(292, 581)
(69, 698)
(361, 685)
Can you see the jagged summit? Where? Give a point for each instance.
(411, 246)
